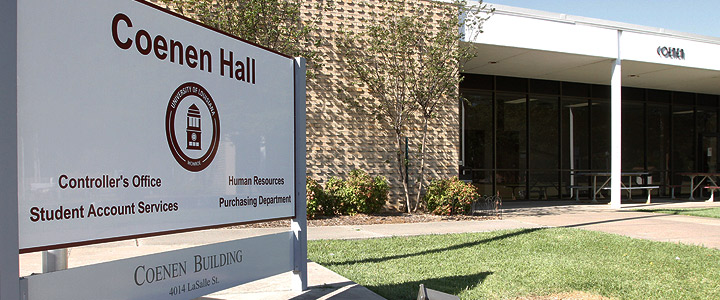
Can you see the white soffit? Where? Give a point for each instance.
(516, 62)
(526, 43)
(673, 78)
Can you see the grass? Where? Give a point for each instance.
(710, 212)
(510, 264)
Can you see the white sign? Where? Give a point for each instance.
(133, 121)
(180, 274)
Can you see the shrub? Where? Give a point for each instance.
(360, 193)
(313, 191)
(319, 203)
(336, 191)
(450, 196)
(365, 194)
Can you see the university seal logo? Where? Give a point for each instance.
(192, 127)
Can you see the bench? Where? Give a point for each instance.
(649, 189)
(672, 189)
(577, 189)
(541, 189)
(514, 186)
(712, 190)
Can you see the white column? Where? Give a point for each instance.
(616, 129)
(299, 223)
(9, 266)
(571, 140)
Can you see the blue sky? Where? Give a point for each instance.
(692, 16)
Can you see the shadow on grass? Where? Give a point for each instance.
(611, 221)
(431, 251)
(675, 211)
(453, 285)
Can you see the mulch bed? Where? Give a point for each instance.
(364, 219)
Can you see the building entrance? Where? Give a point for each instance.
(528, 139)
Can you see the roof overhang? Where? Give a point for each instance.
(524, 43)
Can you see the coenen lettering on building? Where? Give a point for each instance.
(670, 52)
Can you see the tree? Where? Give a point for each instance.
(275, 24)
(438, 59)
(409, 60)
(378, 57)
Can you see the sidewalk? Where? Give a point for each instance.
(325, 284)
(650, 226)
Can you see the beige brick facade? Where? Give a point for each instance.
(342, 137)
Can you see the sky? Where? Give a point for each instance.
(691, 16)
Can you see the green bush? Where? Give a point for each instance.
(313, 191)
(450, 196)
(336, 191)
(365, 194)
(319, 203)
(360, 193)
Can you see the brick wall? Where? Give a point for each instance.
(342, 136)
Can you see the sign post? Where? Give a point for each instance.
(9, 268)
(54, 260)
(299, 223)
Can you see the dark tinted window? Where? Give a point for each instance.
(658, 96)
(601, 91)
(575, 89)
(478, 82)
(633, 94)
(511, 84)
(683, 98)
(544, 87)
(707, 100)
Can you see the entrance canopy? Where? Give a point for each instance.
(527, 43)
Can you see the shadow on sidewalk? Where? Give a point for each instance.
(612, 221)
(340, 290)
(452, 285)
(523, 208)
(545, 208)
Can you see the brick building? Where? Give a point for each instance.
(549, 96)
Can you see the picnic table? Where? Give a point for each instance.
(539, 187)
(604, 185)
(709, 177)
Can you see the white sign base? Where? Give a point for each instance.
(299, 223)
(180, 274)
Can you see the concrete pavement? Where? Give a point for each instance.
(626, 221)
(325, 284)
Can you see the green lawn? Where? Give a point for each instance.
(509, 264)
(710, 212)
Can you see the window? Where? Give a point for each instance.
(528, 144)
(511, 138)
(478, 140)
(543, 138)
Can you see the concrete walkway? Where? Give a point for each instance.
(325, 284)
(650, 226)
